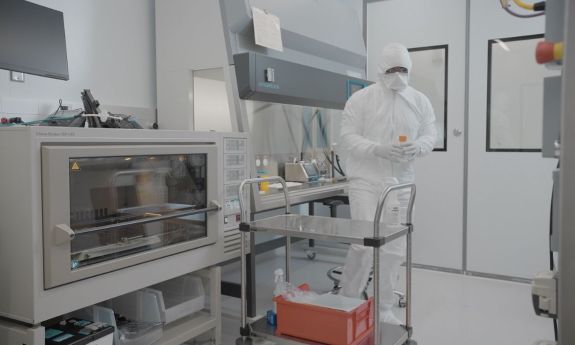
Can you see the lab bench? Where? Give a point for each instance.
(306, 192)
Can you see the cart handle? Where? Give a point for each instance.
(383, 198)
(279, 179)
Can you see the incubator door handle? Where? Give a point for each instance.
(457, 132)
(214, 204)
(62, 234)
(153, 217)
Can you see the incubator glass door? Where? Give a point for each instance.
(103, 212)
(115, 201)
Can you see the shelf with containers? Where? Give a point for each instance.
(168, 313)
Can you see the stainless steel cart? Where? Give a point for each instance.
(370, 234)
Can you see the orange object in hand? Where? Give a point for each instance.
(403, 138)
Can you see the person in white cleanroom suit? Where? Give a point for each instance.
(372, 121)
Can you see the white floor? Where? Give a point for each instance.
(447, 308)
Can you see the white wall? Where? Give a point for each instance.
(111, 50)
(190, 37)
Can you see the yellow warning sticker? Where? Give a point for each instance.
(75, 166)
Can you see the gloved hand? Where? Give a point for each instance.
(409, 151)
(392, 152)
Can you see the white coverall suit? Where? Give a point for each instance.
(372, 122)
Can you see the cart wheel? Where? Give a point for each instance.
(310, 254)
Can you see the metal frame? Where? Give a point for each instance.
(376, 242)
(244, 213)
(409, 253)
(465, 220)
(233, 289)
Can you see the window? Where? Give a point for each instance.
(515, 95)
(429, 75)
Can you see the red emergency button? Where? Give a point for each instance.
(548, 52)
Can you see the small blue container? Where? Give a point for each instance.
(272, 318)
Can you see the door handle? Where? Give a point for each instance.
(457, 132)
(62, 234)
(213, 205)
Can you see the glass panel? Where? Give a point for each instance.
(108, 191)
(429, 75)
(283, 133)
(515, 95)
(211, 107)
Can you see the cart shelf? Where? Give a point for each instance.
(325, 228)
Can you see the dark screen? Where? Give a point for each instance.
(32, 39)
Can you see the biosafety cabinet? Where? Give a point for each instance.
(290, 101)
(90, 214)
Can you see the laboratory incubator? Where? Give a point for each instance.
(93, 214)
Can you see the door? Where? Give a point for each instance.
(509, 182)
(437, 43)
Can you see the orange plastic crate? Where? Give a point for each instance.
(324, 325)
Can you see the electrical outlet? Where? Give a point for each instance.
(17, 76)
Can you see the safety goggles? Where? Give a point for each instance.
(396, 70)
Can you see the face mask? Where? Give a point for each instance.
(395, 81)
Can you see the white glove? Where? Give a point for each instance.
(409, 151)
(392, 152)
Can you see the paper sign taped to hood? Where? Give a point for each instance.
(267, 29)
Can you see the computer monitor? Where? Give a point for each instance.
(32, 39)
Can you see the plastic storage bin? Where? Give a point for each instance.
(141, 323)
(325, 325)
(179, 297)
